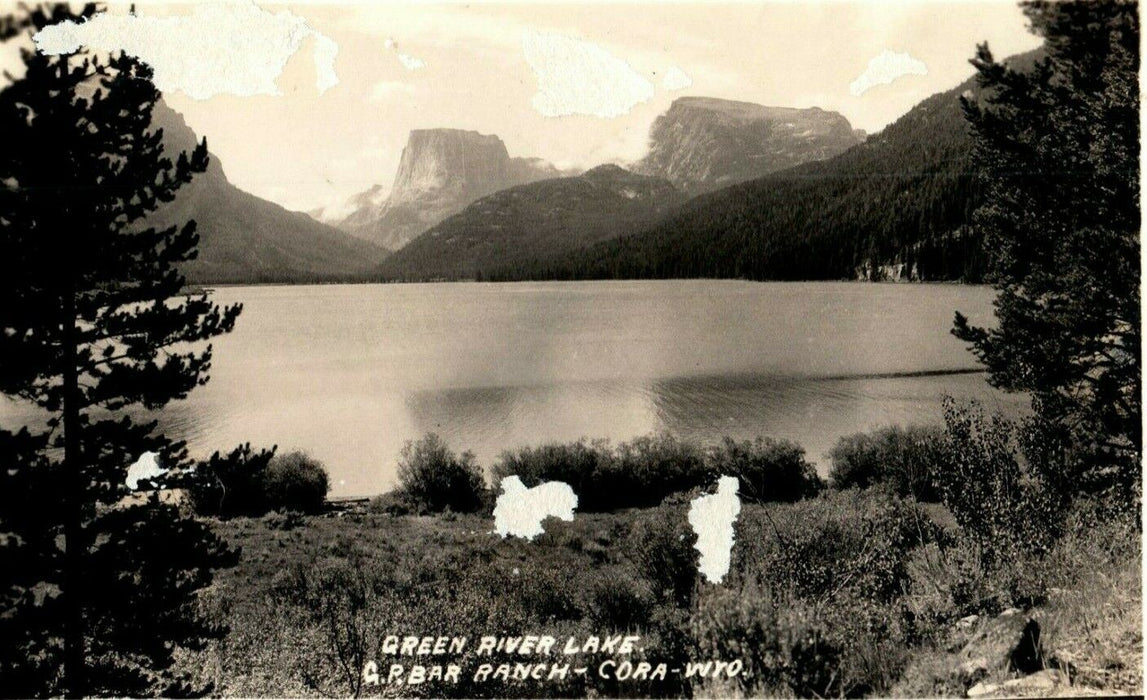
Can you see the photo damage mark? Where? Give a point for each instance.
(580, 77)
(712, 518)
(885, 68)
(233, 48)
(676, 79)
(519, 511)
(144, 468)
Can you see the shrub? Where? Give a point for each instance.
(391, 503)
(635, 474)
(768, 470)
(296, 481)
(232, 485)
(662, 545)
(905, 459)
(645, 471)
(582, 465)
(781, 642)
(999, 502)
(431, 477)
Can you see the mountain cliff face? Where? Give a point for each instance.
(704, 143)
(440, 172)
(243, 238)
(898, 206)
(524, 226)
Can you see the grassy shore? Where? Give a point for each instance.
(848, 593)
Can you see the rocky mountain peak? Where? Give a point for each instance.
(440, 172)
(704, 143)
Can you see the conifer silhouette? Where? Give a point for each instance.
(95, 329)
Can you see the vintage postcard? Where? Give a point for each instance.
(579, 349)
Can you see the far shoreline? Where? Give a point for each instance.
(196, 287)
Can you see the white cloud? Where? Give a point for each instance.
(712, 518)
(885, 68)
(410, 62)
(219, 48)
(676, 79)
(580, 77)
(519, 511)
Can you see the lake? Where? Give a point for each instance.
(350, 372)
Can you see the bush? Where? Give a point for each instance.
(1000, 503)
(635, 474)
(768, 470)
(232, 485)
(580, 464)
(782, 644)
(663, 548)
(433, 478)
(296, 481)
(905, 459)
(645, 471)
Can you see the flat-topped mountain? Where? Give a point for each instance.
(704, 143)
(440, 172)
(897, 206)
(243, 238)
(524, 226)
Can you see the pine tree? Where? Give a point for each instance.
(95, 328)
(1057, 147)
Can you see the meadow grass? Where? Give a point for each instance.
(846, 594)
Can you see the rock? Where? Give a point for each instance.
(440, 172)
(704, 143)
(1010, 642)
(966, 623)
(974, 669)
(243, 238)
(980, 690)
(516, 227)
(1038, 682)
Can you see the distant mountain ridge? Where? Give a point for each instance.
(527, 225)
(440, 172)
(705, 143)
(897, 206)
(243, 238)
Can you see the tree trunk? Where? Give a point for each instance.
(75, 684)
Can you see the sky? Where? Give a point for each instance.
(307, 104)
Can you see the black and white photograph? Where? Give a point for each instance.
(579, 349)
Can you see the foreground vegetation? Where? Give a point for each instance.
(853, 592)
(878, 582)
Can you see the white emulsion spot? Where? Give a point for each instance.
(580, 77)
(146, 467)
(234, 48)
(519, 511)
(411, 62)
(676, 79)
(712, 518)
(885, 68)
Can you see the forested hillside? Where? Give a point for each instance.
(524, 226)
(896, 206)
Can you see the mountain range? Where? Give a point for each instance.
(527, 225)
(702, 143)
(440, 172)
(897, 206)
(727, 189)
(245, 239)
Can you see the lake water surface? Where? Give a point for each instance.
(348, 373)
